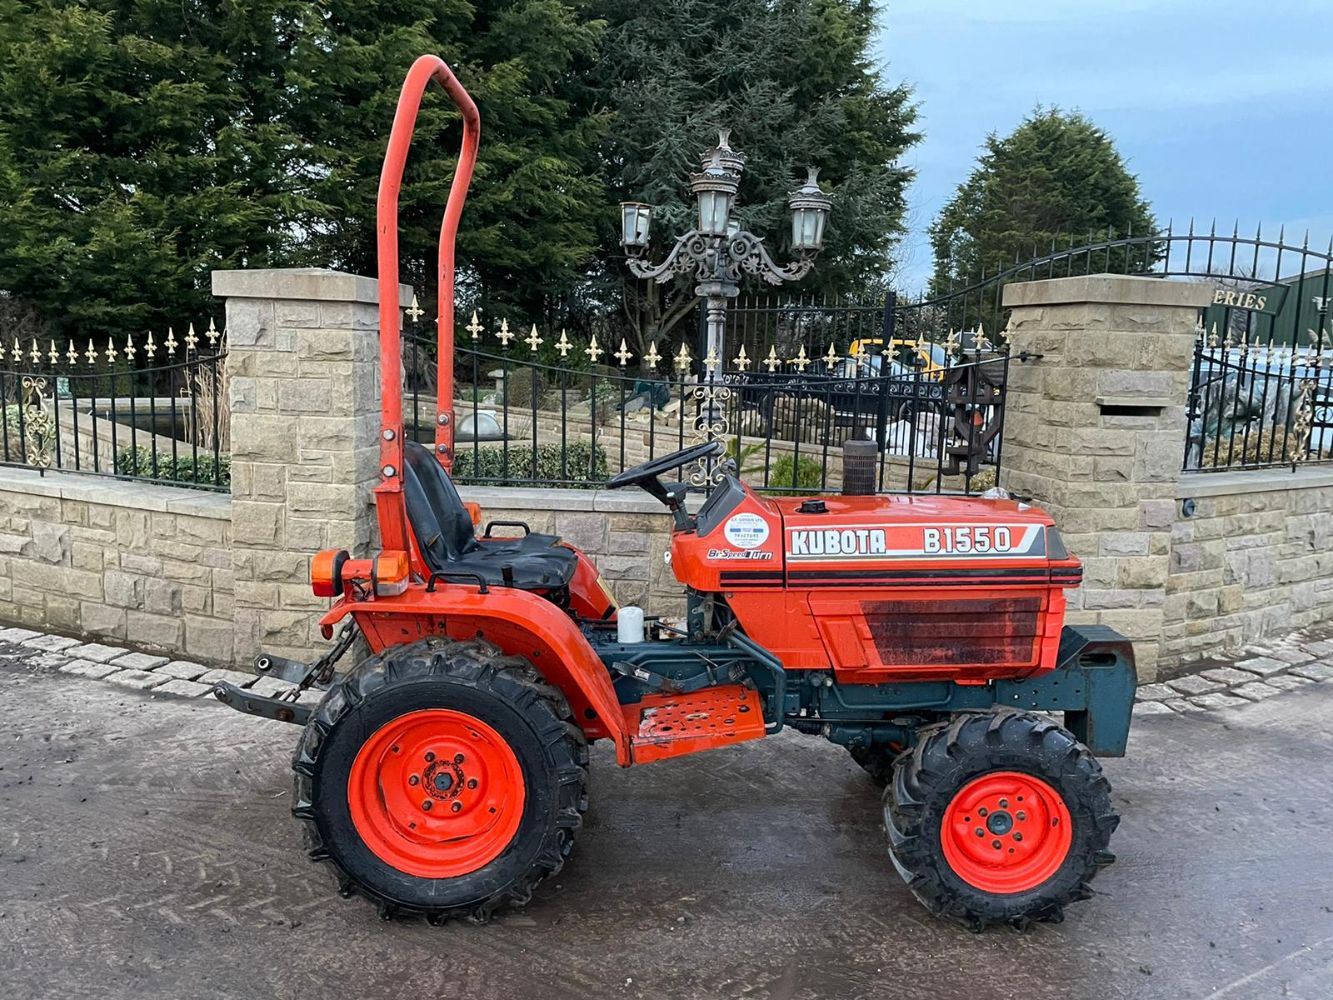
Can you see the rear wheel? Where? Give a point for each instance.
(1000, 817)
(441, 778)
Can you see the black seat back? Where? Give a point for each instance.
(439, 520)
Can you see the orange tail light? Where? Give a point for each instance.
(391, 575)
(326, 572)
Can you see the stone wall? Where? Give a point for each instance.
(153, 565)
(1095, 433)
(627, 533)
(148, 565)
(1252, 558)
(1186, 565)
(302, 361)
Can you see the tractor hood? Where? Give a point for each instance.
(886, 587)
(878, 533)
(745, 539)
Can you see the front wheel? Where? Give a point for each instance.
(1000, 817)
(441, 778)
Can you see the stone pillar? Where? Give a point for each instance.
(1095, 432)
(302, 361)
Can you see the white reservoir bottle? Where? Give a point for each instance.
(629, 625)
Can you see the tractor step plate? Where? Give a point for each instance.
(672, 725)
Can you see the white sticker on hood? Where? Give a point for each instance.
(746, 530)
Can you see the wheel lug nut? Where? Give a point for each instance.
(981, 832)
(456, 806)
(413, 780)
(1004, 803)
(983, 812)
(1021, 816)
(430, 756)
(1018, 836)
(459, 758)
(426, 805)
(995, 844)
(472, 782)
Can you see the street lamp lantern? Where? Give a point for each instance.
(635, 218)
(717, 254)
(809, 212)
(732, 161)
(715, 189)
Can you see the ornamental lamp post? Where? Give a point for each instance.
(718, 251)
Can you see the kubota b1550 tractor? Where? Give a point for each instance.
(447, 774)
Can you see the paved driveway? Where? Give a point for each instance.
(146, 851)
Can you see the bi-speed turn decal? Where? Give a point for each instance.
(914, 541)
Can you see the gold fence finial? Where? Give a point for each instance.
(474, 326)
(212, 334)
(772, 361)
(563, 345)
(170, 343)
(623, 354)
(683, 359)
(129, 348)
(831, 358)
(505, 335)
(592, 350)
(534, 339)
(652, 357)
(191, 338)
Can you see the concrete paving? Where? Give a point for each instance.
(146, 851)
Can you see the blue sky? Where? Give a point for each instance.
(1221, 108)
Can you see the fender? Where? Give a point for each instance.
(519, 623)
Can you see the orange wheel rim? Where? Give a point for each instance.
(1006, 832)
(436, 793)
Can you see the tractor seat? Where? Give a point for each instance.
(449, 544)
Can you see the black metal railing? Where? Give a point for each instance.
(153, 409)
(544, 409)
(1257, 406)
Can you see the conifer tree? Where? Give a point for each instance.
(1055, 178)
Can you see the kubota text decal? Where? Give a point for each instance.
(914, 541)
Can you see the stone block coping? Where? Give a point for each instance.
(552, 499)
(302, 284)
(198, 503)
(1110, 289)
(117, 492)
(1213, 484)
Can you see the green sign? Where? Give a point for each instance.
(1266, 300)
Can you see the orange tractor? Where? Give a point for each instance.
(447, 773)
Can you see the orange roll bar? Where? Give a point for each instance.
(425, 69)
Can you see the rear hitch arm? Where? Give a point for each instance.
(249, 703)
(285, 707)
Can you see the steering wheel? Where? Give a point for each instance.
(641, 475)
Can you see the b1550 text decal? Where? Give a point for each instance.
(915, 541)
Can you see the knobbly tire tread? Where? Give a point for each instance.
(949, 754)
(474, 664)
